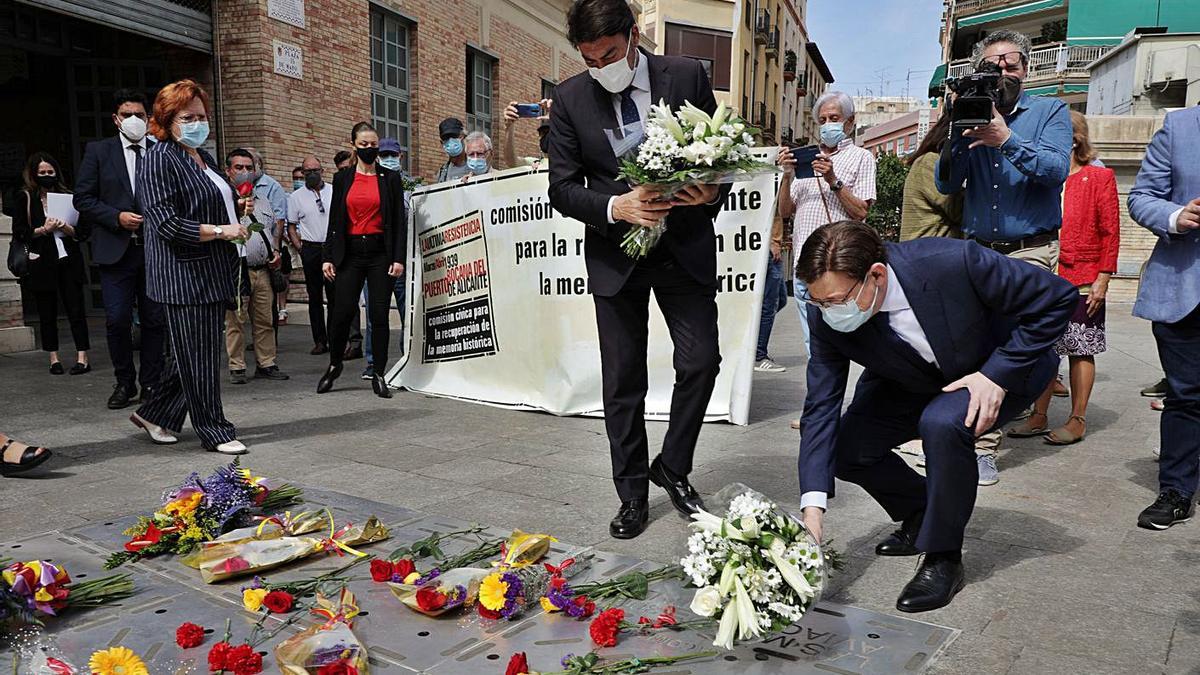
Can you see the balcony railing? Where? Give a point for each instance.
(968, 7)
(1055, 62)
(762, 27)
(772, 46)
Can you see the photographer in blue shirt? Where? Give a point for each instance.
(1013, 171)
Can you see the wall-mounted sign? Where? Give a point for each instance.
(289, 59)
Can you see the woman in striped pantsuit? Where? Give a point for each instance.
(191, 267)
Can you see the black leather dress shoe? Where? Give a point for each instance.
(933, 586)
(904, 540)
(685, 498)
(379, 385)
(352, 352)
(56, 368)
(327, 379)
(121, 397)
(631, 519)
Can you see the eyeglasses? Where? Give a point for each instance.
(188, 118)
(826, 304)
(1007, 59)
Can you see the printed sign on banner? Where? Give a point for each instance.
(504, 314)
(455, 291)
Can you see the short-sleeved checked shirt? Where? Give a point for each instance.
(855, 167)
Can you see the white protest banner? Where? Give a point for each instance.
(500, 311)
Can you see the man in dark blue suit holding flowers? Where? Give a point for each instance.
(956, 340)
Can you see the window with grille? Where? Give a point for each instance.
(390, 78)
(480, 75)
(548, 89)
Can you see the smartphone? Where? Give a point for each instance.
(529, 110)
(804, 156)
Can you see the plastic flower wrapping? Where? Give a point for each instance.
(41, 588)
(687, 147)
(330, 647)
(756, 568)
(220, 560)
(200, 510)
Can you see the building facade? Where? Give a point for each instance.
(1067, 36)
(870, 111)
(898, 136)
(1147, 74)
(812, 81)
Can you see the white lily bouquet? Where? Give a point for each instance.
(757, 568)
(687, 147)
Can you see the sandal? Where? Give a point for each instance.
(1028, 430)
(1063, 436)
(30, 458)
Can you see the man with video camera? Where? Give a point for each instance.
(1013, 167)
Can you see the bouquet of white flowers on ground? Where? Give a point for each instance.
(757, 568)
(687, 147)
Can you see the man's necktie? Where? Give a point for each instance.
(629, 109)
(137, 162)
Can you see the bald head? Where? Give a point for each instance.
(311, 162)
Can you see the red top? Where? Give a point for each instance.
(362, 205)
(1091, 225)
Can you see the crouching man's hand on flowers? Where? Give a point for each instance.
(694, 195)
(639, 207)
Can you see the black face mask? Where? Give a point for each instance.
(46, 182)
(312, 180)
(367, 155)
(1009, 93)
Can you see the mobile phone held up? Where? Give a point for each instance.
(529, 110)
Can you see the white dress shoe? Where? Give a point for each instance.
(156, 433)
(231, 448)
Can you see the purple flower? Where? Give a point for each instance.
(428, 576)
(515, 590)
(326, 655)
(561, 598)
(456, 597)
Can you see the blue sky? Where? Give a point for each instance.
(860, 37)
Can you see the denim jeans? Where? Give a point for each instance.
(772, 293)
(399, 291)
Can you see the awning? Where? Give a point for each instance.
(1007, 12)
(187, 23)
(935, 82)
(1048, 90)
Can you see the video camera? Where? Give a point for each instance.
(976, 93)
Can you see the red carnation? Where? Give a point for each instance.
(189, 635)
(589, 607)
(218, 656)
(429, 599)
(518, 664)
(382, 570)
(278, 602)
(606, 626)
(243, 660)
(342, 667)
(403, 568)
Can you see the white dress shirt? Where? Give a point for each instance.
(903, 320)
(311, 219)
(641, 97)
(131, 158)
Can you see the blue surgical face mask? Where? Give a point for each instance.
(391, 163)
(848, 317)
(297, 185)
(453, 146)
(477, 165)
(193, 134)
(832, 133)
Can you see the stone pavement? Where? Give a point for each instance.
(1059, 577)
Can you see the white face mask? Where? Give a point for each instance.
(848, 317)
(133, 128)
(616, 76)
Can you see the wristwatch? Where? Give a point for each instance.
(837, 185)
(218, 232)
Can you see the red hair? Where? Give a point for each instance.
(170, 100)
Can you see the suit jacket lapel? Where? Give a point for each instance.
(926, 303)
(117, 158)
(660, 81)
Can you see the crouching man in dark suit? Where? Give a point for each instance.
(616, 93)
(956, 340)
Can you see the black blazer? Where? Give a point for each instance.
(43, 271)
(583, 173)
(102, 192)
(178, 197)
(395, 218)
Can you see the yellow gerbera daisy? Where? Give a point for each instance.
(252, 598)
(116, 661)
(492, 592)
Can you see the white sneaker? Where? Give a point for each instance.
(769, 366)
(157, 434)
(921, 460)
(231, 448)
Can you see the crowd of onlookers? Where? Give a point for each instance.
(190, 250)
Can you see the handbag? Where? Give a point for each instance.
(18, 251)
(279, 282)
